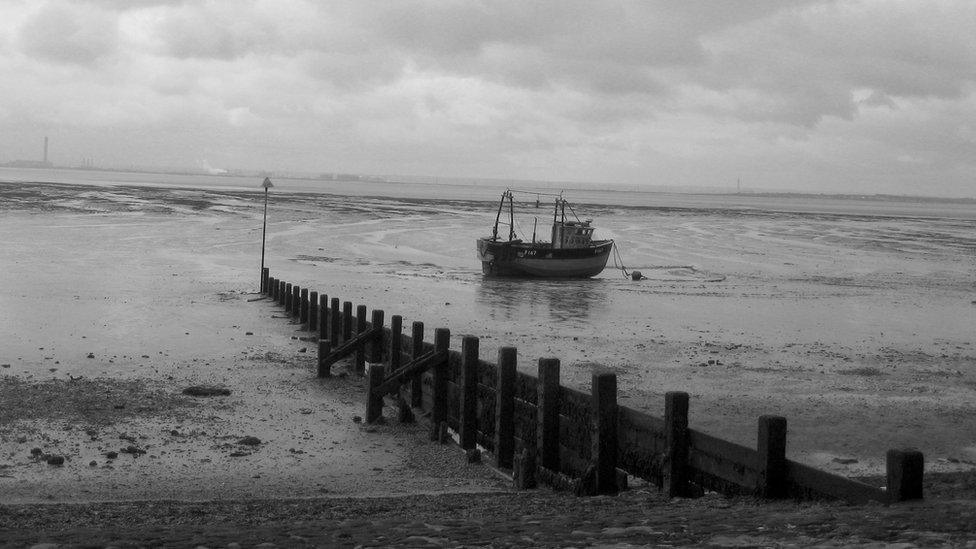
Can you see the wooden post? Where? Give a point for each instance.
(335, 322)
(323, 314)
(396, 342)
(416, 383)
(523, 473)
(360, 362)
(287, 297)
(771, 447)
(282, 287)
(438, 412)
(603, 416)
(273, 287)
(676, 436)
(505, 408)
(374, 350)
(346, 320)
(548, 405)
(313, 311)
(906, 470)
(303, 306)
(324, 369)
(264, 279)
(296, 301)
(374, 401)
(468, 393)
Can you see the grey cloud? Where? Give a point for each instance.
(68, 34)
(125, 5)
(805, 65)
(215, 34)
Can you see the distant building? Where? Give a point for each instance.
(31, 163)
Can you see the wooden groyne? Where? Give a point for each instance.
(543, 432)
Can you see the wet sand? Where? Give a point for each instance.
(817, 318)
(111, 310)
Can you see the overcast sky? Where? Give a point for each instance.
(850, 96)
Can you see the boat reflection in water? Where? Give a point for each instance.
(579, 301)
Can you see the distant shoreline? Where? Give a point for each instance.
(501, 183)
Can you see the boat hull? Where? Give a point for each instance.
(516, 258)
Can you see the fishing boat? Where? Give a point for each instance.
(570, 253)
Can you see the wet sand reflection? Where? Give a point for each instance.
(558, 301)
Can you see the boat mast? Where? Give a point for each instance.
(498, 216)
(511, 217)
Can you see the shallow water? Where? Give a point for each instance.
(831, 312)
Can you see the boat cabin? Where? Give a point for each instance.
(572, 234)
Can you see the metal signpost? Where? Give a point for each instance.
(264, 229)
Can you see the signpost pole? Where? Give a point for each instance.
(264, 228)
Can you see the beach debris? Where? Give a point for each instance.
(206, 391)
(93, 463)
(91, 355)
(249, 441)
(135, 451)
(55, 460)
(36, 452)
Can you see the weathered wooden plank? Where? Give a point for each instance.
(487, 442)
(809, 483)
(349, 347)
(639, 422)
(525, 421)
(574, 421)
(525, 387)
(570, 463)
(454, 365)
(410, 369)
(486, 403)
(707, 444)
(487, 373)
(716, 465)
(640, 444)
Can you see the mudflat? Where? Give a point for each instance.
(120, 297)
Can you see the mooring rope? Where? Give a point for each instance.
(618, 263)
